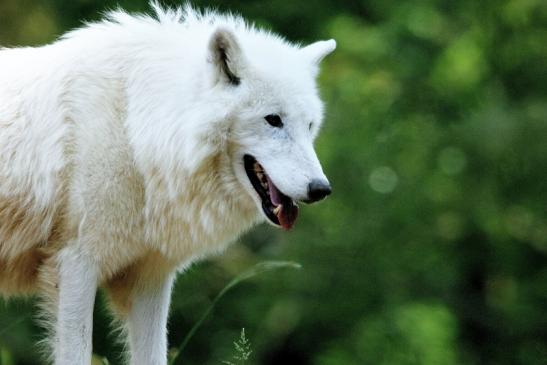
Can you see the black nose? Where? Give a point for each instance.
(318, 190)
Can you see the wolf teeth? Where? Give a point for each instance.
(262, 179)
(277, 209)
(261, 176)
(257, 168)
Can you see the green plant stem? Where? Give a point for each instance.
(258, 269)
(13, 324)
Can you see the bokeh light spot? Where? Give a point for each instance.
(383, 179)
(452, 161)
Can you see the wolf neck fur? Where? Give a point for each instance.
(210, 210)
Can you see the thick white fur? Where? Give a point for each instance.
(121, 160)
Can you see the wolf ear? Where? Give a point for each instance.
(226, 57)
(315, 52)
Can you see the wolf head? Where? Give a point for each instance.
(211, 85)
(277, 118)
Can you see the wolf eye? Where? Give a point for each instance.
(310, 126)
(274, 120)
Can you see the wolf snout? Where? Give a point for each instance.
(318, 190)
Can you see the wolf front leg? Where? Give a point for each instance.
(147, 322)
(77, 290)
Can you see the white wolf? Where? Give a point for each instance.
(134, 146)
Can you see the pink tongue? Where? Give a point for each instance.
(289, 211)
(287, 216)
(275, 195)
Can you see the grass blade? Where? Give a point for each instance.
(13, 324)
(258, 269)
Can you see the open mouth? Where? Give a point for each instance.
(279, 208)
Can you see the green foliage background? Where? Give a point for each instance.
(432, 249)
